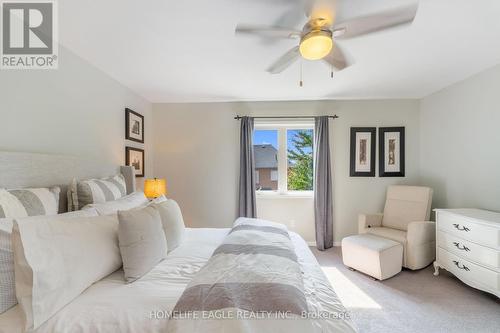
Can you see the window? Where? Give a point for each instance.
(300, 159)
(284, 157)
(265, 147)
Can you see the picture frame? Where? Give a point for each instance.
(135, 157)
(391, 151)
(134, 126)
(363, 151)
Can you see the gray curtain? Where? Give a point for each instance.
(323, 197)
(247, 166)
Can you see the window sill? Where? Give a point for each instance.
(287, 195)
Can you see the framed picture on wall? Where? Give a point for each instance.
(134, 126)
(363, 151)
(135, 157)
(392, 151)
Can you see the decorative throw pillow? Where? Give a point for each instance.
(13, 204)
(142, 241)
(29, 202)
(93, 191)
(172, 221)
(56, 258)
(131, 201)
(7, 286)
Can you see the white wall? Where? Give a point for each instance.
(196, 150)
(75, 110)
(452, 141)
(460, 143)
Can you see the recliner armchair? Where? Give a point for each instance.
(406, 220)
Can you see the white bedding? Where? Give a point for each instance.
(110, 305)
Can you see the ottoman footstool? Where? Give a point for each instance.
(378, 257)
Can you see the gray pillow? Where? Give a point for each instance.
(173, 223)
(91, 191)
(29, 202)
(142, 242)
(7, 283)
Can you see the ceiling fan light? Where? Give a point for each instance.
(316, 45)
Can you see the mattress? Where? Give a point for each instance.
(110, 305)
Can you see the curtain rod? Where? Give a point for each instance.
(285, 117)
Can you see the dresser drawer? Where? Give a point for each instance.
(468, 250)
(468, 271)
(468, 229)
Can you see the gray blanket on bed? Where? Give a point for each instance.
(253, 274)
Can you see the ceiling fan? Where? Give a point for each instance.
(320, 31)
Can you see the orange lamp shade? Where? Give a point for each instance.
(153, 188)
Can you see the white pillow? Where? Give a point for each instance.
(7, 283)
(142, 241)
(55, 260)
(172, 221)
(133, 200)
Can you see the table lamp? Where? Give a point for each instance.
(153, 188)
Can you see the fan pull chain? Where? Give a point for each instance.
(331, 73)
(301, 83)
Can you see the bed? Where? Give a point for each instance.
(111, 305)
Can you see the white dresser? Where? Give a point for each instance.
(468, 245)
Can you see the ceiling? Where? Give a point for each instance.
(186, 51)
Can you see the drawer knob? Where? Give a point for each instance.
(458, 227)
(463, 248)
(465, 268)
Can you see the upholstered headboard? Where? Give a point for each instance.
(21, 170)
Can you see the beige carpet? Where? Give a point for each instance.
(412, 301)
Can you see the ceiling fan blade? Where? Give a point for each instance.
(376, 22)
(284, 61)
(337, 58)
(267, 31)
(291, 18)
